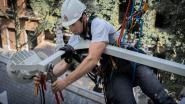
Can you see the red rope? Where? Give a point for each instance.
(123, 24)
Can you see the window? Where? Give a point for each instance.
(32, 39)
(12, 38)
(10, 4)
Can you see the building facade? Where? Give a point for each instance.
(27, 22)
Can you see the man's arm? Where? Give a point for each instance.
(60, 68)
(95, 51)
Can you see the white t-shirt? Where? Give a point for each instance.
(100, 30)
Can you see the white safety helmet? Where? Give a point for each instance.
(71, 12)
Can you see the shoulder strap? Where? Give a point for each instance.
(89, 25)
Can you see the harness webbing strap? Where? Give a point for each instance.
(89, 26)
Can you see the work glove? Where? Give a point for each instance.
(69, 52)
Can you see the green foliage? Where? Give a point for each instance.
(106, 9)
(173, 12)
(171, 35)
(40, 7)
(45, 9)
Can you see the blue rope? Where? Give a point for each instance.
(132, 8)
(138, 46)
(128, 23)
(140, 6)
(140, 21)
(124, 36)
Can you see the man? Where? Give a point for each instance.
(118, 89)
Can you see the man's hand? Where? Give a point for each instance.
(37, 76)
(39, 79)
(69, 51)
(58, 85)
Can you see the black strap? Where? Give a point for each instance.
(93, 15)
(89, 26)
